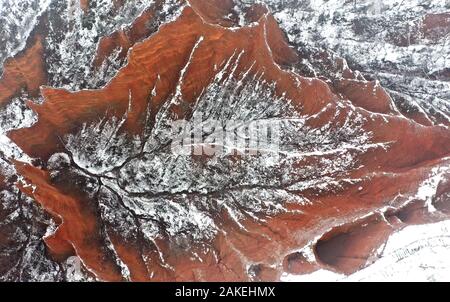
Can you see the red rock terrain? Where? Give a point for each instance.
(26, 71)
(348, 212)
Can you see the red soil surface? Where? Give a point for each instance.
(25, 71)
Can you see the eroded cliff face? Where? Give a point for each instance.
(93, 190)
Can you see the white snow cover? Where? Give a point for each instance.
(416, 253)
(17, 21)
(365, 32)
(14, 115)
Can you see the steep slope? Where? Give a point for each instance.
(402, 44)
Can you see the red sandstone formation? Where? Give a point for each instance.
(436, 26)
(78, 232)
(25, 71)
(84, 4)
(350, 223)
(215, 11)
(124, 39)
(63, 111)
